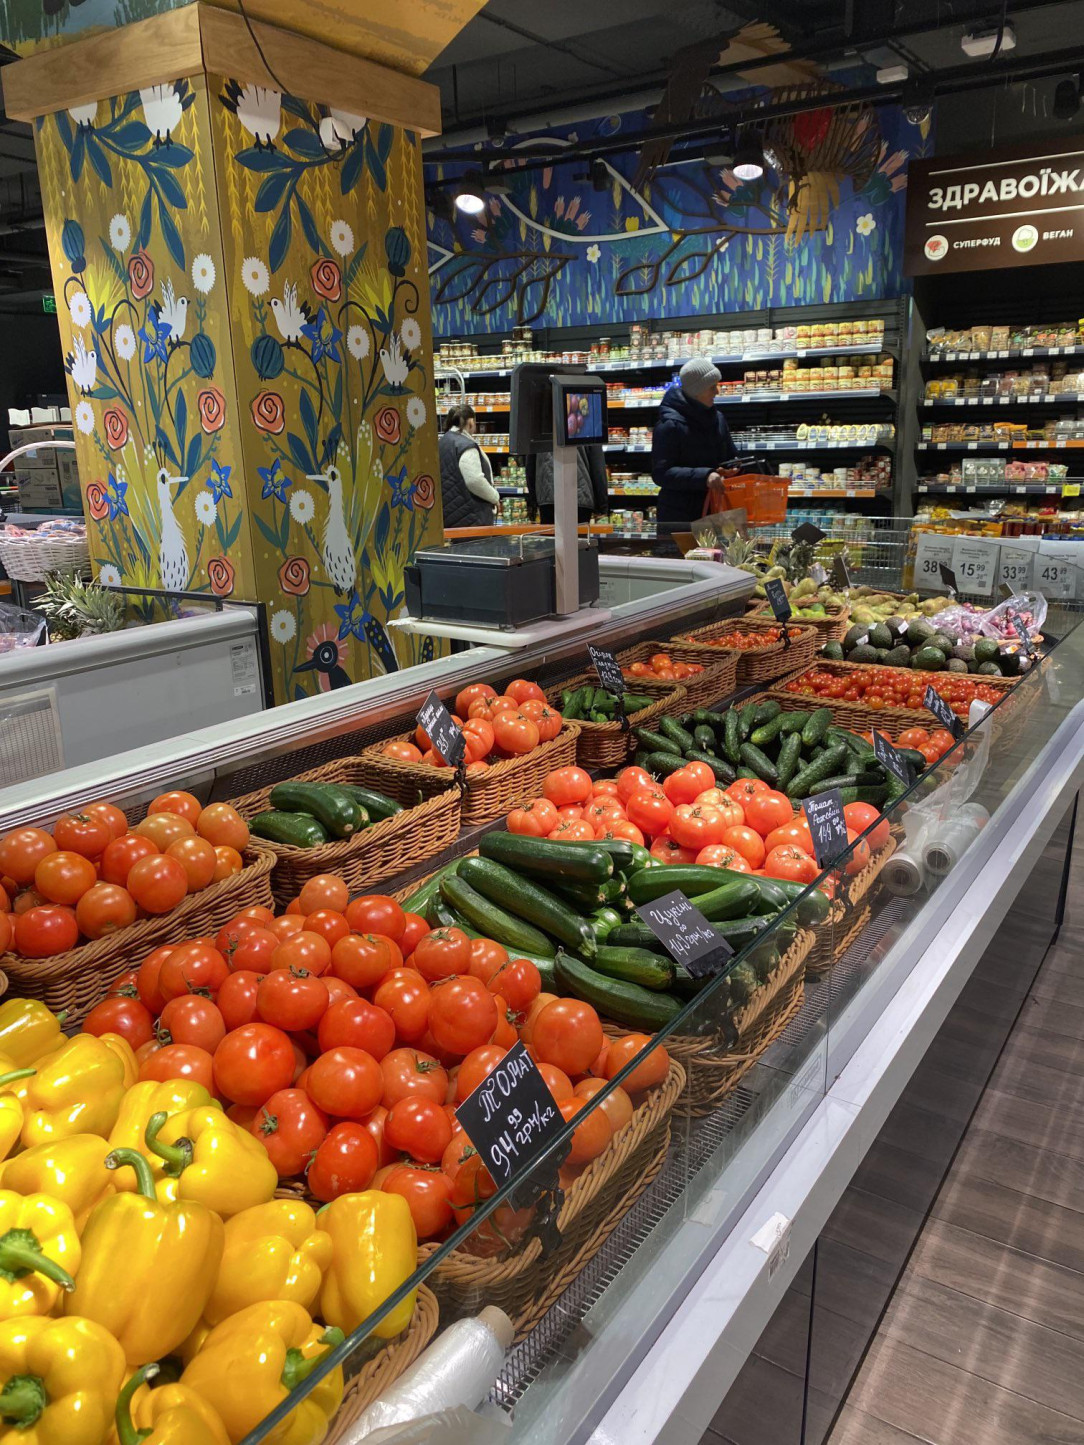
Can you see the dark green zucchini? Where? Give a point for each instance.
(628, 1004)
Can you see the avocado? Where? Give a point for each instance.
(855, 636)
(882, 654)
(879, 636)
(900, 656)
(896, 625)
(989, 669)
(863, 653)
(964, 651)
(929, 659)
(972, 666)
(942, 641)
(918, 631)
(956, 664)
(833, 651)
(986, 649)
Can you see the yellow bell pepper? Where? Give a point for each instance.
(168, 1415)
(71, 1170)
(77, 1089)
(58, 1381)
(275, 1251)
(148, 1268)
(250, 1363)
(126, 1054)
(39, 1253)
(207, 1157)
(374, 1251)
(28, 1031)
(139, 1106)
(12, 1112)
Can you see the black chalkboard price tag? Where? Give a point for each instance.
(935, 703)
(890, 759)
(1020, 627)
(511, 1117)
(445, 736)
(948, 578)
(686, 934)
(807, 532)
(780, 605)
(608, 670)
(841, 578)
(827, 826)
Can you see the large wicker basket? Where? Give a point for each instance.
(75, 981)
(424, 829)
(832, 628)
(761, 664)
(386, 1366)
(608, 745)
(488, 795)
(849, 914)
(715, 683)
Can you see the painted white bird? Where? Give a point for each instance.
(163, 106)
(171, 313)
(172, 550)
(82, 366)
(258, 108)
(84, 115)
(340, 563)
(340, 127)
(290, 314)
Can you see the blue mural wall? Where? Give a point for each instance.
(695, 241)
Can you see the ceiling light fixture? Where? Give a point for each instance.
(892, 75)
(982, 43)
(749, 157)
(470, 196)
(1067, 98)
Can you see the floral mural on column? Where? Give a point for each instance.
(137, 265)
(325, 260)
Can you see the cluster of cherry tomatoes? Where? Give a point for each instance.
(93, 875)
(661, 664)
(746, 640)
(494, 725)
(343, 1033)
(881, 687)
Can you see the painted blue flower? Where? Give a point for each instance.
(154, 337)
(352, 618)
(401, 491)
(219, 481)
(323, 345)
(114, 498)
(275, 481)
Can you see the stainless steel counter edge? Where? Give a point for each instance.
(696, 586)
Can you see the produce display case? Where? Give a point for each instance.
(628, 1250)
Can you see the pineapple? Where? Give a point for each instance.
(74, 608)
(800, 560)
(742, 553)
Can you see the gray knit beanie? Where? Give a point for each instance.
(697, 375)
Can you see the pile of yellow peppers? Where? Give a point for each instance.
(152, 1289)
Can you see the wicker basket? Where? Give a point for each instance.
(75, 981)
(488, 795)
(386, 1366)
(716, 682)
(28, 560)
(527, 1283)
(836, 935)
(829, 629)
(375, 854)
(761, 664)
(608, 745)
(714, 1067)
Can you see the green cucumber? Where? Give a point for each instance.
(753, 776)
(330, 805)
(663, 764)
(628, 1004)
(655, 742)
(297, 830)
(604, 921)
(765, 712)
(732, 736)
(704, 738)
(729, 900)
(793, 722)
(847, 780)
(636, 702)
(529, 901)
(825, 766)
(376, 805)
(492, 921)
(747, 719)
(768, 731)
(705, 716)
(760, 763)
(634, 965)
(818, 724)
(572, 702)
(672, 729)
(417, 901)
(573, 862)
(724, 773)
(790, 755)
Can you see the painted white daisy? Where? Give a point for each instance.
(84, 417)
(357, 342)
(342, 237)
(120, 232)
(283, 626)
(302, 507)
(865, 224)
(206, 508)
(410, 334)
(109, 576)
(255, 276)
(415, 412)
(79, 306)
(124, 341)
(203, 272)
(593, 253)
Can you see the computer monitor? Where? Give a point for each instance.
(581, 411)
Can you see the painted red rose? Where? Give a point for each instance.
(220, 576)
(294, 576)
(140, 274)
(327, 279)
(97, 506)
(388, 424)
(116, 427)
(424, 491)
(268, 412)
(212, 408)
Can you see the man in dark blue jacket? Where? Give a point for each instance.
(691, 442)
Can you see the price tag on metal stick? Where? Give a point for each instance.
(1020, 627)
(841, 578)
(827, 826)
(511, 1116)
(948, 578)
(608, 670)
(807, 532)
(445, 736)
(686, 934)
(890, 759)
(935, 703)
(776, 594)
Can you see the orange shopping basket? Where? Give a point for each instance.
(764, 498)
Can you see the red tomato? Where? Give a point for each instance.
(617, 1106)
(124, 1016)
(408, 1071)
(462, 1014)
(515, 734)
(184, 805)
(338, 988)
(148, 978)
(192, 966)
(475, 1068)
(746, 788)
(767, 811)
(193, 1020)
(912, 738)
(575, 830)
(859, 858)
(733, 812)
(7, 930)
(567, 1033)
(82, 833)
(22, 851)
(405, 752)
(683, 785)
(292, 999)
(620, 828)
(110, 815)
(45, 930)
(344, 1163)
(416, 928)
(427, 1192)
(330, 925)
(930, 751)
(157, 883)
(749, 844)
(326, 890)
(64, 877)
(103, 909)
(861, 816)
(651, 812)
(291, 1128)
(523, 691)
(376, 913)
(356, 1023)
(250, 949)
(567, 785)
(793, 832)
(442, 953)
(602, 811)
(198, 859)
(650, 1071)
(518, 982)
(305, 951)
(236, 999)
(718, 855)
(223, 826)
(941, 739)
(633, 780)
(164, 828)
(591, 1134)
(363, 959)
(790, 862)
(178, 1061)
(405, 995)
(546, 719)
(252, 1063)
(469, 694)
(346, 1082)
(667, 851)
(695, 827)
(605, 787)
(505, 1034)
(479, 728)
(374, 1125)
(536, 820)
(256, 913)
(420, 1128)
